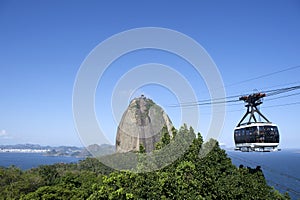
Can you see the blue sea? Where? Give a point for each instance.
(26, 161)
(281, 169)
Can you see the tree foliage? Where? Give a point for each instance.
(190, 176)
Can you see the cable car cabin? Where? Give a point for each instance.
(256, 137)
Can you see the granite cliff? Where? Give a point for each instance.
(141, 124)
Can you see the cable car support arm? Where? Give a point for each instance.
(252, 101)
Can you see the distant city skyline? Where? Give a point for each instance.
(43, 45)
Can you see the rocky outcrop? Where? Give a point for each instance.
(141, 124)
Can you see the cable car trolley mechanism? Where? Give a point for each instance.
(254, 134)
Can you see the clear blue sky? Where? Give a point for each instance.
(43, 43)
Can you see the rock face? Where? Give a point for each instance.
(141, 124)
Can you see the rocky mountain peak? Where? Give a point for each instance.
(141, 124)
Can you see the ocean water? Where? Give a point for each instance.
(26, 161)
(281, 169)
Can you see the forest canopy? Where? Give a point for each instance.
(190, 176)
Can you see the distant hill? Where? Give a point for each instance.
(96, 150)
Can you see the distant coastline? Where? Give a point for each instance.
(24, 150)
(71, 151)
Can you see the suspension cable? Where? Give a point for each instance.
(230, 99)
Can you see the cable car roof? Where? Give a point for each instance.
(254, 125)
